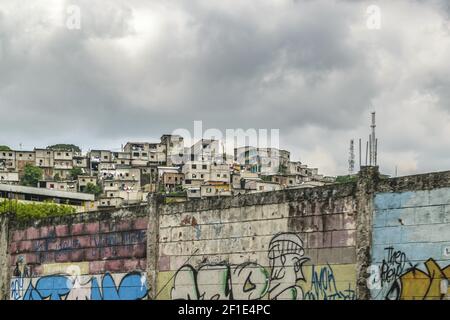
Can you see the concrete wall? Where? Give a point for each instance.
(95, 256)
(297, 244)
(411, 244)
(372, 239)
(4, 257)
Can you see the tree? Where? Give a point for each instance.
(65, 147)
(93, 189)
(56, 177)
(31, 175)
(4, 148)
(75, 172)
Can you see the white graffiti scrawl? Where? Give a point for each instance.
(248, 280)
(286, 256)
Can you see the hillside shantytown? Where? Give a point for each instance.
(102, 179)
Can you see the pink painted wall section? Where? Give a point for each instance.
(107, 246)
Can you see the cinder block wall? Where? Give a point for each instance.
(296, 244)
(411, 240)
(4, 257)
(320, 243)
(95, 256)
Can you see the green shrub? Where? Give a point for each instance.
(28, 211)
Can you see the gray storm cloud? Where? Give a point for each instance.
(313, 69)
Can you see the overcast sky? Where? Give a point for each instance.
(312, 69)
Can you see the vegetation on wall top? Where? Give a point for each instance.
(28, 211)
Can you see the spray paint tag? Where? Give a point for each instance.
(446, 252)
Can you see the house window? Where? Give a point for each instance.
(144, 154)
(194, 166)
(204, 166)
(67, 154)
(225, 176)
(188, 181)
(218, 175)
(135, 154)
(52, 186)
(58, 153)
(201, 176)
(194, 176)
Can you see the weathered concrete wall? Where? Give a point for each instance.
(321, 243)
(411, 239)
(4, 257)
(296, 244)
(93, 256)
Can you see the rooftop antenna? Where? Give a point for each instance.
(359, 153)
(351, 159)
(224, 156)
(376, 151)
(367, 149)
(373, 142)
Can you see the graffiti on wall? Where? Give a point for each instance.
(324, 286)
(399, 279)
(250, 280)
(286, 258)
(73, 286)
(410, 245)
(416, 284)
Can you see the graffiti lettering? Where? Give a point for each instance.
(248, 280)
(392, 267)
(323, 287)
(131, 286)
(417, 284)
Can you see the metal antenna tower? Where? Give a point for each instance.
(351, 159)
(373, 143)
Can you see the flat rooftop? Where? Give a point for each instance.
(47, 192)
